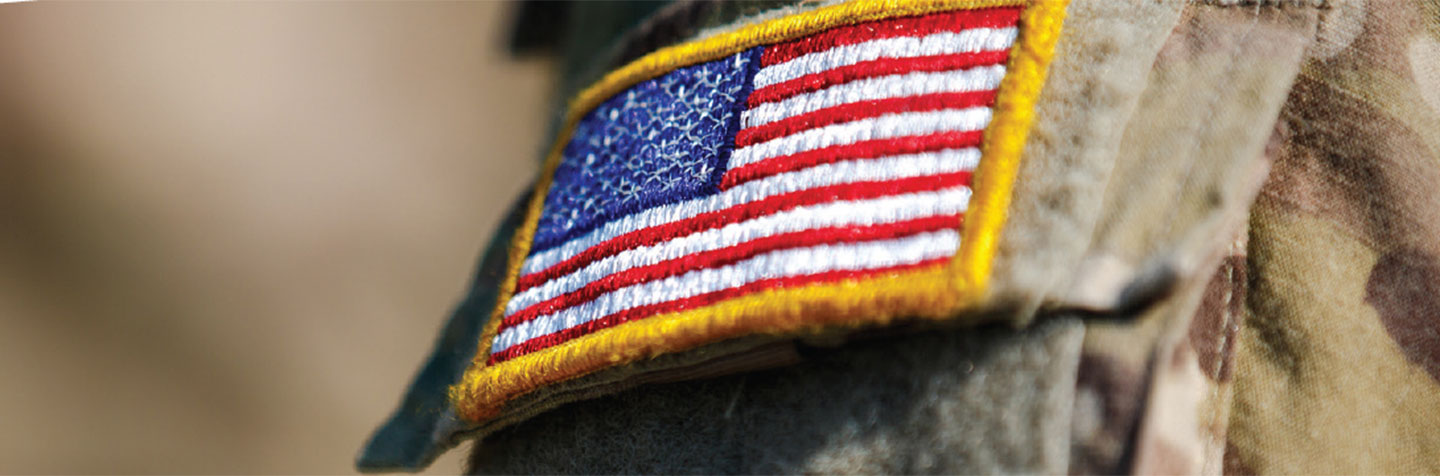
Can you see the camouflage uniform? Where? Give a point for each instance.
(1223, 255)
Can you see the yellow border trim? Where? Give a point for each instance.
(930, 292)
(1004, 141)
(873, 300)
(784, 29)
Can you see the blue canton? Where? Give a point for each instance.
(662, 141)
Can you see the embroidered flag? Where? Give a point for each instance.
(852, 156)
(807, 171)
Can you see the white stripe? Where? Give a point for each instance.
(776, 264)
(892, 209)
(979, 78)
(818, 176)
(881, 127)
(944, 43)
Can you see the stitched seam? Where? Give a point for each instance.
(1225, 317)
(1203, 130)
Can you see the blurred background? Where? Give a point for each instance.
(230, 231)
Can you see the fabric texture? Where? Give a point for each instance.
(819, 159)
(656, 144)
(1337, 365)
(896, 404)
(1102, 63)
(1229, 69)
(837, 203)
(1222, 255)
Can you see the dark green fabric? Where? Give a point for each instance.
(942, 401)
(416, 433)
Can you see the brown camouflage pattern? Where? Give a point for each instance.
(1265, 235)
(1338, 368)
(1315, 347)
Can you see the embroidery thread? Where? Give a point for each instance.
(812, 170)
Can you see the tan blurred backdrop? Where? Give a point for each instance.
(229, 231)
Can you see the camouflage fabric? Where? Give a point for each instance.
(1314, 345)
(1223, 256)
(1338, 365)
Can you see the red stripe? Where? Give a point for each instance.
(636, 313)
(860, 150)
(729, 255)
(909, 26)
(873, 68)
(862, 110)
(714, 219)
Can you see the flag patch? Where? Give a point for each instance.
(818, 178)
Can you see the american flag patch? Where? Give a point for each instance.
(831, 158)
